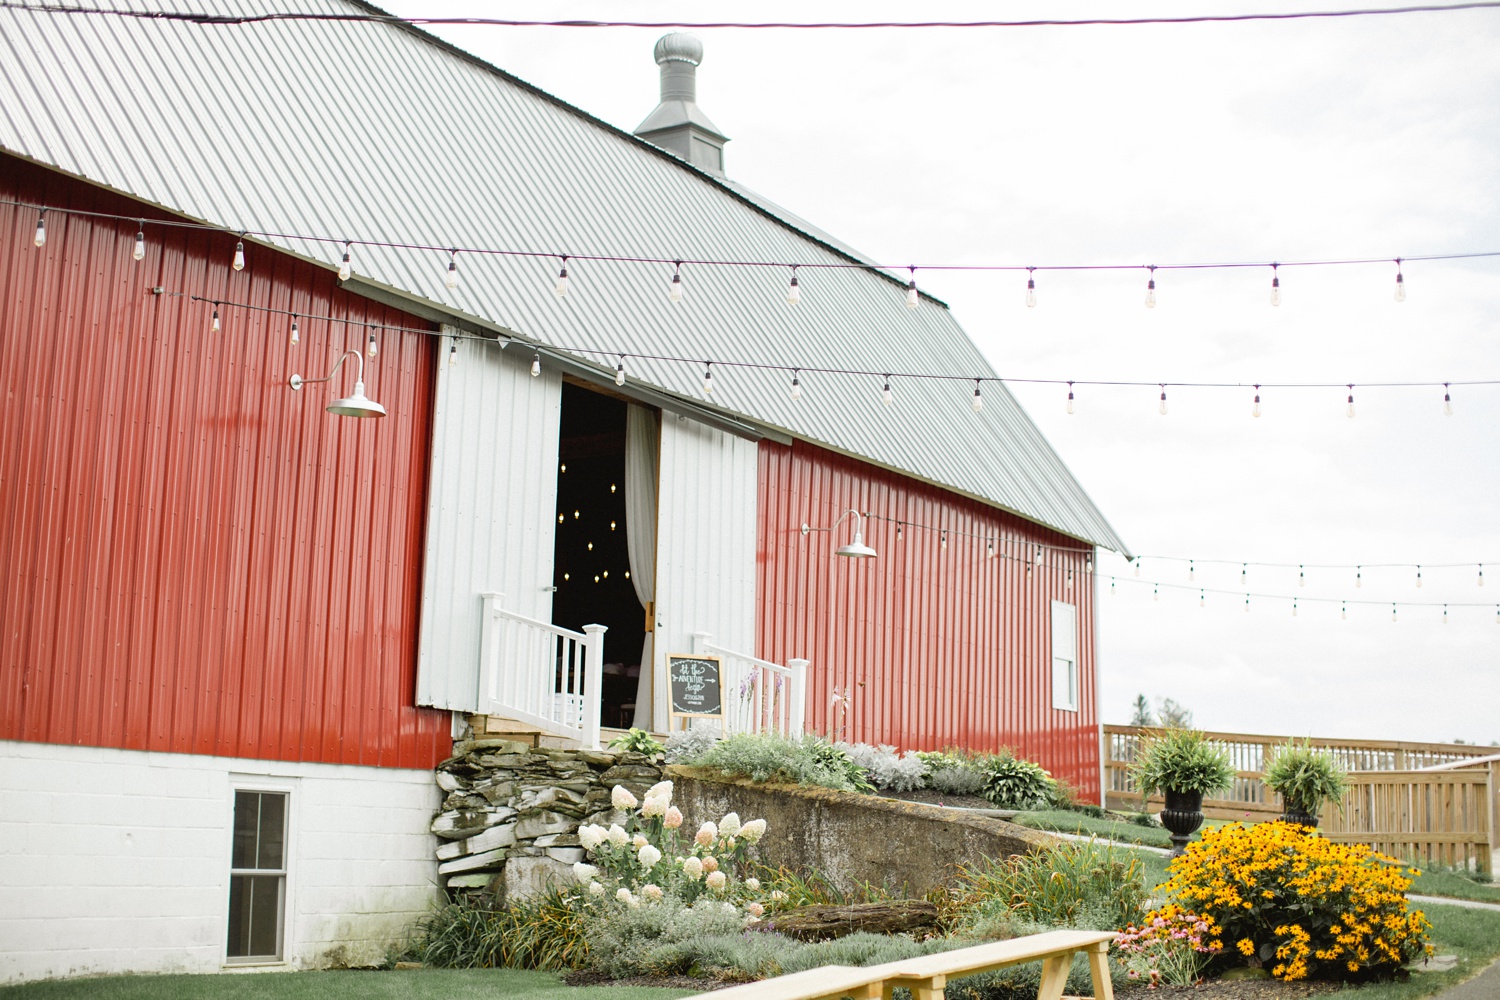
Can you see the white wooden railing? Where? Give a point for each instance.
(758, 695)
(541, 674)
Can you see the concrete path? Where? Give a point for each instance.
(1485, 986)
(1473, 904)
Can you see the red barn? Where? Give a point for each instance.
(239, 628)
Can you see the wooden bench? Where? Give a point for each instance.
(927, 975)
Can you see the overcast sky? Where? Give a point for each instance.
(1358, 137)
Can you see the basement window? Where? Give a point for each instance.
(1064, 656)
(257, 877)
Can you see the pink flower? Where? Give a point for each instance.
(706, 834)
(620, 798)
(755, 909)
(710, 863)
(672, 819)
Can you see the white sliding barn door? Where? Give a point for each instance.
(705, 547)
(492, 509)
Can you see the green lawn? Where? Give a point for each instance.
(1446, 883)
(419, 984)
(1066, 821)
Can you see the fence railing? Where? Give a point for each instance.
(1445, 813)
(759, 696)
(541, 674)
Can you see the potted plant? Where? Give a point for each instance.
(1306, 778)
(1184, 766)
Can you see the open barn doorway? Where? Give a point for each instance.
(596, 579)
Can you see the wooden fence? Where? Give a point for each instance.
(1424, 801)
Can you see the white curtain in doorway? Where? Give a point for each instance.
(642, 448)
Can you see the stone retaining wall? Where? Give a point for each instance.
(510, 820)
(854, 839)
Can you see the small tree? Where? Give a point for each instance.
(1173, 715)
(1141, 712)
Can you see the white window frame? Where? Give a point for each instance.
(1064, 658)
(276, 786)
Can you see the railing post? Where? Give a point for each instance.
(796, 697)
(700, 643)
(593, 683)
(489, 653)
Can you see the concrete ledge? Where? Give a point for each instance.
(854, 839)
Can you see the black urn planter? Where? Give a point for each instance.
(1183, 815)
(1297, 814)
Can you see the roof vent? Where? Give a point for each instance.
(677, 125)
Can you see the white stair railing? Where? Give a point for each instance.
(541, 674)
(758, 695)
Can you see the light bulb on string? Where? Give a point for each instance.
(1275, 286)
(1202, 598)
(945, 543)
(1088, 563)
(1350, 411)
(239, 255)
(1447, 401)
(1136, 562)
(1445, 614)
(1039, 554)
(1294, 607)
(898, 531)
(1481, 574)
(536, 364)
(793, 291)
(1190, 571)
(1393, 612)
(1343, 610)
(346, 266)
(1255, 406)
(912, 298)
(213, 326)
(989, 550)
(796, 385)
(560, 289)
(295, 336)
(1247, 604)
(1151, 288)
(453, 353)
(620, 371)
(1301, 576)
(450, 280)
(1244, 571)
(1031, 288)
(1111, 586)
(41, 231)
(139, 253)
(1161, 407)
(1419, 577)
(1400, 283)
(1359, 577)
(977, 403)
(886, 396)
(674, 291)
(1070, 397)
(372, 348)
(1155, 592)
(708, 378)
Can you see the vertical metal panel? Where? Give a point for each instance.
(935, 647)
(194, 558)
(491, 510)
(705, 545)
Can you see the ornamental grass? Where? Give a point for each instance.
(1280, 896)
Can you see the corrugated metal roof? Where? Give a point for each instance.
(378, 132)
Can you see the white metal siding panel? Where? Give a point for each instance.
(492, 510)
(705, 546)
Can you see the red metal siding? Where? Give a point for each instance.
(193, 558)
(937, 647)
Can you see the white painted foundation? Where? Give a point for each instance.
(117, 861)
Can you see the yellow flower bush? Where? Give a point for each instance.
(1298, 902)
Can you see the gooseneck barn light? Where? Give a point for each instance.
(356, 404)
(856, 549)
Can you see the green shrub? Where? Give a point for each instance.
(1305, 777)
(545, 932)
(954, 773)
(773, 757)
(622, 943)
(1181, 760)
(1016, 783)
(1077, 884)
(637, 741)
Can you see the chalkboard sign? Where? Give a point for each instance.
(695, 685)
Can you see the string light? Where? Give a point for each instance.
(1481, 574)
(1294, 607)
(1244, 571)
(898, 532)
(1136, 562)
(1155, 594)
(1070, 398)
(139, 253)
(346, 266)
(450, 280)
(1111, 586)
(1301, 577)
(213, 326)
(886, 396)
(1350, 411)
(1031, 288)
(1161, 407)
(796, 385)
(372, 348)
(295, 336)
(1151, 288)
(793, 292)
(978, 403)
(1393, 612)
(620, 371)
(1419, 577)
(1447, 402)
(1190, 571)
(945, 549)
(239, 256)
(453, 353)
(1359, 577)
(1255, 406)
(674, 291)
(1202, 600)
(40, 239)
(560, 289)
(708, 378)
(1247, 604)
(1039, 554)
(536, 364)
(1343, 610)
(1400, 283)
(989, 550)
(911, 291)
(1275, 285)
(1445, 614)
